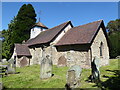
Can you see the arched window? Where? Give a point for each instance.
(101, 49)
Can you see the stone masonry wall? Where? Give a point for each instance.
(73, 57)
(36, 55)
(95, 48)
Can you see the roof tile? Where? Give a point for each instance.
(47, 35)
(82, 34)
(22, 50)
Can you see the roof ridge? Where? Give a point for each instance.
(58, 25)
(51, 28)
(40, 24)
(21, 44)
(89, 23)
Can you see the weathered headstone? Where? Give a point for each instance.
(73, 76)
(46, 68)
(23, 61)
(1, 85)
(95, 70)
(4, 61)
(62, 61)
(11, 67)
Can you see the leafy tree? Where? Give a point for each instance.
(6, 44)
(114, 37)
(113, 25)
(7, 40)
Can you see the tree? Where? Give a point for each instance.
(18, 29)
(114, 37)
(25, 19)
(113, 25)
(6, 44)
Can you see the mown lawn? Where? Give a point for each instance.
(29, 77)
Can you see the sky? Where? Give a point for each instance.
(55, 13)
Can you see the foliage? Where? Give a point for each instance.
(29, 77)
(114, 37)
(113, 25)
(25, 19)
(6, 44)
(18, 29)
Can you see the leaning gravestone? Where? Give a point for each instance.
(95, 70)
(46, 68)
(11, 67)
(73, 76)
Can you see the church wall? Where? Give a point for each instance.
(80, 57)
(36, 55)
(74, 54)
(95, 48)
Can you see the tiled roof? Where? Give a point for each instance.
(82, 34)
(39, 24)
(22, 50)
(47, 35)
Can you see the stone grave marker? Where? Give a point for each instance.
(62, 61)
(11, 67)
(1, 85)
(73, 76)
(23, 61)
(95, 70)
(46, 67)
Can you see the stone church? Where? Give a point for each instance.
(65, 44)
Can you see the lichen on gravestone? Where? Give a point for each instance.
(73, 76)
(11, 67)
(46, 68)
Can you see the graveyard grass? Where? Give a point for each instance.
(29, 77)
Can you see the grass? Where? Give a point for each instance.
(29, 77)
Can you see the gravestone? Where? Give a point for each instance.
(62, 61)
(11, 67)
(46, 68)
(95, 70)
(1, 85)
(73, 76)
(4, 61)
(23, 61)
